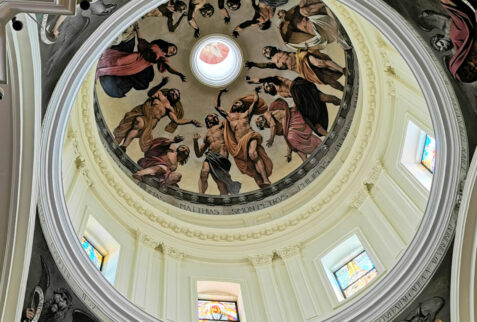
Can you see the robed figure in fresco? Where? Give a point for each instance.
(309, 24)
(167, 10)
(311, 64)
(309, 100)
(289, 123)
(216, 158)
(243, 143)
(141, 120)
(463, 33)
(119, 71)
(162, 159)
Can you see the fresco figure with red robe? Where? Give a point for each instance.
(463, 33)
(162, 159)
(289, 123)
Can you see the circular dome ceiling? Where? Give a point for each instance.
(165, 115)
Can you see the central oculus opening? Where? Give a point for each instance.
(216, 60)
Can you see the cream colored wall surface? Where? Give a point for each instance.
(364, 191)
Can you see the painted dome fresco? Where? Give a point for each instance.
(222, 105)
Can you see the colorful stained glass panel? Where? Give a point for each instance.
(217, 311)
(355, 274)
(429, 154)
(93, 253)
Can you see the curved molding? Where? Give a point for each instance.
(383, 300)
(294, 212)
(9, 9)
(23, 105)
(464, 257)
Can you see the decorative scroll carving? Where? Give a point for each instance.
(288, 252)
(258, 260)
(172, 252)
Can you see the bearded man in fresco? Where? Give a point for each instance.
(205, 9)
(162, 159)
(289, 123)
(167, 10)
(262, 18)
(243, 143)
(309, 100)
(141, 120)
(311, 64)
(216, 158)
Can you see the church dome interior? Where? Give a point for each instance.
(271, 160)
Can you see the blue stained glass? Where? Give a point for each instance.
(93, 253)
(429, 154)
(354, 270)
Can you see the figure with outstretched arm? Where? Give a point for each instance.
(167, 10)
(205, 9)
(141, 120)
(242, 142)
(216, 160)
(311, 64)
(262, 17)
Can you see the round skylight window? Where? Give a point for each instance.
(216, 60)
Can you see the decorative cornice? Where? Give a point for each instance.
(358, 198)
(261, 260)
(172, 252)
(288, 252)
(348, 172)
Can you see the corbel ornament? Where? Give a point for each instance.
(172, 252)
(261, 260)
(288, 252)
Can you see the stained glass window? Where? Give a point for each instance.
(93, 254)
(428, 159)
(217, 311)
(355, 274)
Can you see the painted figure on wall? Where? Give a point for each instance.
(276, 85)
(242, 142)
(216, 160)
(262, 18)
(52, 310)
(289, 123)
(162, 159)
(312, 65)
(49, 35)
(309, 24)
(233, 5)
(463, 32)
(205, 9)
(134, 69)
(309, 100)
(141, 120)
(427, 311)
(167, 10)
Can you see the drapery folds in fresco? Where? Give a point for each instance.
(311, 64)
(243, 143)
(162, 159)
(309, 24)
(216, 157)
(141, 120)
(463, 33)
(288, 122)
